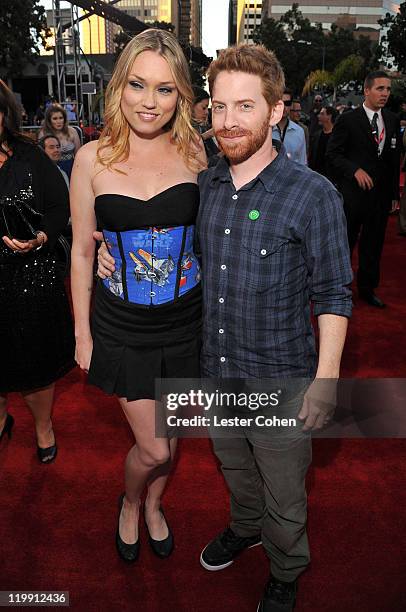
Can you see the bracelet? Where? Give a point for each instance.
(38, 234)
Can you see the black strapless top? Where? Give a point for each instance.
(155, 294)
(175, 206)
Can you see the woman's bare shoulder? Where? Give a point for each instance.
(88, 152)
(72, 131)
(86, 158)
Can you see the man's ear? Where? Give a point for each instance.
(276, 113)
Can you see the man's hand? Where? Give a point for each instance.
(363, 179)
(319, 404)
(105, 261)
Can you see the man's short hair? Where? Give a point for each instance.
(296, 101)
(332, 112)
(376, 74)
(251, 59)
(288, 92)
(41, 142)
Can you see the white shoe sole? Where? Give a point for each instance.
(216, 568)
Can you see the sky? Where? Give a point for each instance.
(214, 26)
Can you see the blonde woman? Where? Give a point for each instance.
(56, 124)
(138, 184)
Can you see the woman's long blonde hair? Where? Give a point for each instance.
(116, 133)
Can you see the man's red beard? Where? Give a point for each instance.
(239, 151)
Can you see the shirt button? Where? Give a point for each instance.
(222, 359)
(221, 331)
(235, 197)
(221, 300)
(152, 293)
(227, 231)
(224, 267)
(263, 251)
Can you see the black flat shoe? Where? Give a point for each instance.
(47, 455)
(8, 426)
(162, 548)
(127, 552)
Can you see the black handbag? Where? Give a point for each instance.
(19, 220)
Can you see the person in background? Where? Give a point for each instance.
(56, 124)
(39, 114)
(314, 112)
(364, 153)
(295, 115)
(200, 121)
(341, 108)
(35, 323)
(52, 147)
(402, 203)
(319, 141)
(290, 133)
(402, 115)
(70, 109)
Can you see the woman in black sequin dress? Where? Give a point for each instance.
(36, 331)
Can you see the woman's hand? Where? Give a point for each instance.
(83, 352)
(25, 246)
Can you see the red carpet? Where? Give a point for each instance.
(57, 522)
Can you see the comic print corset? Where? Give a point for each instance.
(152, 244)
(154, 265)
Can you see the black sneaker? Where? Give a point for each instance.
(278, 596)
(222, 551)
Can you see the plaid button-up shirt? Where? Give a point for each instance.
(269, 250)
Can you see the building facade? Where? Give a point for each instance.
(362, 15)
(97, 35)
(244, 17)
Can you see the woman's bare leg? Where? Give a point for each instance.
(40, 403)
(145, 457)
(156, 486)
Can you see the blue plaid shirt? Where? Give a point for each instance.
(268, 251)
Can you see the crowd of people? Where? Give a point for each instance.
(216, 238)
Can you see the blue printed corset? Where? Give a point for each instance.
(154, 265)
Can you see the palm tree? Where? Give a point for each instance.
(347, 70)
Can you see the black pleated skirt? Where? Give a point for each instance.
(134, 345)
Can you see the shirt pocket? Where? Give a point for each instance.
(264, 265)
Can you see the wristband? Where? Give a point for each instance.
(40, 236)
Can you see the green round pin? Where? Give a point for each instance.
(254, 215)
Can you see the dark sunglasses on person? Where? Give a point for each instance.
(287, 102)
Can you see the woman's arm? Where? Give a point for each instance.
(55, 196)
(75, 138)
(52, 200)
(83, 249)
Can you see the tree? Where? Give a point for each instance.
(349, 69)
(393, 44)
(23, 29)
(296, 43)
(122, 39)
(303, 48)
